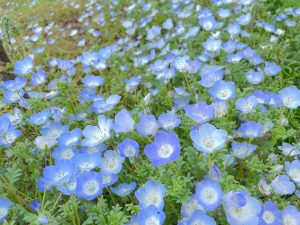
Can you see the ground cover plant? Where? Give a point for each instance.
(150, 112)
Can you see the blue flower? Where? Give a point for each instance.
(151, 193)
(209, 194)
(200, 112)
(4, 124)
(251, 129)
(111, 163)
(95, 135)
(59, 173)
(24, 66)
(123, 122)
(147, 125)
(91, 81)
(108, 180)
(290, 97)
(9, 137)
(35, 205)
(190, 206)
(212, 45)
(254, 77)
(271, 68)
(69, 187)
(246, 215)
(246, 105)
(87, 162)
(89, 185)
(38, 78)
(198, 217)
(14, 85)
(223, 90)
(289, 150)
(40, 118)
(242, 150)
(208, 23)
(235, 199)
(207, 138)
(164, 149)
(132, 83)
(128, 148)
(282, 185)
(169, 120)
(4, 207)
(270, 215)
(104, 105)
(70, 138)
(64, 64)
(150, 215)
(291, 216)
(123, 189)
(293, 170)
(234, 30)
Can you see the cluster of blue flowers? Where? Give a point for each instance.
(91, 140)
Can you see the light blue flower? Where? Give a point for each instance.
(293, 170)
(123, 122)
(124, 189)
(24, 66)
(282, 185)
(111, 163)
(89, 185)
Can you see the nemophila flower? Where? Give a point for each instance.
(221, 108)
(123, 122)
(59, 173)
(4, 124)
(150, 215)
(123, 189)
(111, 163)
(264, 187)
(108, 180)
(208, 23)
(210, 75)
(64, 64)
(147, 125)
(269, 27)
(254, 77)
(164, 149)
(251, 129)
(270, 214)
(64, 153)
(91, 81)
(42, 219)
(235, 199)
(224, 13)
(223, 90)
(9, 137)
(293, 170)
(40, 118)
(244, 19)
(35, 205)
(153, 32)
(198, 217)
(181, 63)
(128, 148)
(290, 97)
(289, 150)
(230, 46)
(89, 185)
(207, 138)
(290, 216)
(275, 100)
(95, 135)
(246, 105)
(212, 45)
(38, 78)
(234, 30)
(14, 85)
(169, 120)
(242, 150)
(24, 66)
(70, 138)
(168, 24)
(271, 68)
(282, 185)
(246, 215)
(4, 208)
(151, 193)
(190, 206)
(104, 105)
(199, 112)
(209, 194)
(87, 162)
(132, 83)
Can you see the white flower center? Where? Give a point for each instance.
(153, 198)
(91, 187)
(165, 151)
(152, 221)
(241, 214)
(223, 93)
(288, 101)
(3, 212)
(289, 220)
(208, 142)
(110, 163)
(295, 174)
(209, 195)
(129, 150)
(268, 217)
